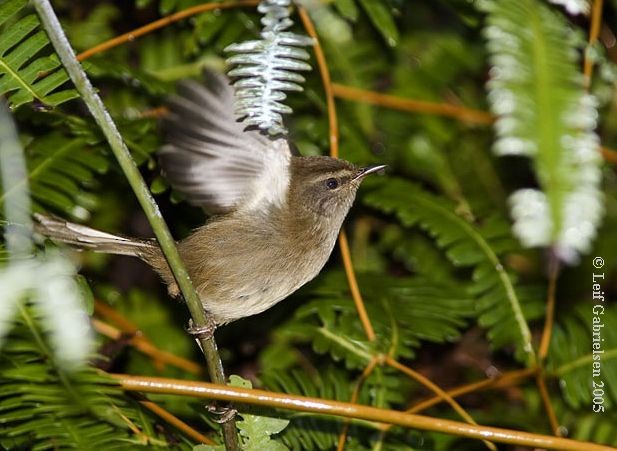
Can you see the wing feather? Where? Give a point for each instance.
(212, 160)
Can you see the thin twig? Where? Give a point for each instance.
(105, 122)
(188, 12)
(325, 79)
(354, 398)
(548, 406)
(545, 342)
(505, 380)
(176, 422)
(334, 153)
(348, 410)
(148, 348)
(106, 311)
(132, 426)
(460, 113)
(138, 339)
(353, 287)
(594, 32)
(609, 155)
(435, 389)
(547, 331)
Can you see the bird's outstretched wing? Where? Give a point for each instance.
(212, 160)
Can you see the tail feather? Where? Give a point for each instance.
(87, 238)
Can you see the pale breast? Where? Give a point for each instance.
(246, 269)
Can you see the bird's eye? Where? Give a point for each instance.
(332, 183)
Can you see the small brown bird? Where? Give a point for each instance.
(276, 216)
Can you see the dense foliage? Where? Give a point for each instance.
(439, 246)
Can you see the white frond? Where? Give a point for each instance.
(574, 7)
(58, 298)
(543, 113)
(266, 68)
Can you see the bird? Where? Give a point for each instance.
(275, 215)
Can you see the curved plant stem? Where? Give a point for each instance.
(609, 155)
(176, 422)
(460, 113)
(364, 354)
(354, 398)
(547, 331)
(188, 12)
(594, 32)
(505, 380)
(97, 109)
(15, 196)
(582, 361)
(546, 400)
(326, 80)
(437, 390)
(334, 153)
(146, 347)
(348, 410)
(353, 287)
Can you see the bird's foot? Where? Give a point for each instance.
(202, 332)
(225, 413)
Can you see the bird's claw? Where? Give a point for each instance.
(202, 332)
(226, 413)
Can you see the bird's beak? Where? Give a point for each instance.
(363, 172)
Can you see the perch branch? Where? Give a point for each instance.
(348, 410)
(188, 12)
(411, 105)
(97, 109)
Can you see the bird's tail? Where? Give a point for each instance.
(87, 238)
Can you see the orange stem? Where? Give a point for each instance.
(505, 380)
(547, 331)
(176, 422)
(334, 153)
(354, 397)
(609, 155)
(435, 389)
(594, 32)
(148, 348)
(548, 406)
(411, 105)
(325, 78)
(106, 311)
(348, 410)
(144, 439)
(353, 287)
(188, 12)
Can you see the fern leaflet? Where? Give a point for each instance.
(499, 303)
(24, 75)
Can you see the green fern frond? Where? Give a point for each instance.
(502, 308)
(537, 92)
(403, 311)
(59, 168)
(309, 432)
(25, 74)
(589, 426)
(44, 408)
(580, 366)
(64, 167)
